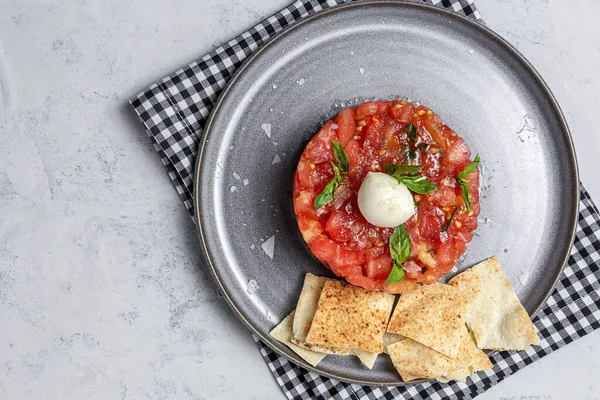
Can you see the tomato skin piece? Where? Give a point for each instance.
(374, 134)
(346, 123)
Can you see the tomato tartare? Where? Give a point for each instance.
(411, 143)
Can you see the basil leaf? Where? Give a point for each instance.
(423, 146)
(417, 183)
(329, 191)
(340, 156)
(450, 220)
(411, 132)
(470, 168)
(327, 194)
(400, 246)
(460, 179)
(412, 154)
(465, 193)
(396, 275)
(396, 169)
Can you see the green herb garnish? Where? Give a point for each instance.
(406, 174)
(340, 156)
(400, 249)
(411, 132)
(338, 170)
(450, 220)
(463, 183)
(399, 169)
(329, 191)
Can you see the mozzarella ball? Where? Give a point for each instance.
(384, 201)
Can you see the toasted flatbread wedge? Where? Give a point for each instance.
(350, 317)
(368, 359)
(495, 315)
(305, 312)
(391, 338)
(433, 315)
(414, 360)
(283, 333)
(472, 358)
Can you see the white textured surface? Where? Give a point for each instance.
(101, 294)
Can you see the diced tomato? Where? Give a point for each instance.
(406, 115)
(355, 154)
(434, 130)
(363, 281)
(339, 226)
(346, 125)
(374, 252)
(310, 228)
(447, 196)
(379, 268)
(366, 109)
(431, 221)
(373, 135)
(314, 176)
(403, 286)
(391, 135)
(303, 204)
(318, 150)
(456, 157)
(412, 270)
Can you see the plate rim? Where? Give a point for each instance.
(524, 63)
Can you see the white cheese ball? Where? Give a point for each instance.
(384, 201)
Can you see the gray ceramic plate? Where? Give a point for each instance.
(482, 87)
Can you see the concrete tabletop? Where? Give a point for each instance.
(102, 293)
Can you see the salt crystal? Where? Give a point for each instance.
(244, 224)
(252, 247)
(471, 51)
(267, 129)
(246, 182)
(362, 71)
(301, 81)
(230, 147)
(236, 176)
(232, 189)
(270, 110)
(351, 53)
(252, 287)
(274, 143)
(269, 246)
(276, 159)
(523, 278)
(274, 86)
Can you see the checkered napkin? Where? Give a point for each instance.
(174, 112)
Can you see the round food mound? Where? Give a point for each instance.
(373, 135)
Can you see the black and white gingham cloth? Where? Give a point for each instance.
(174, 112)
